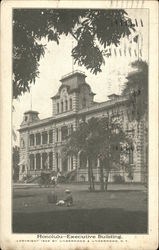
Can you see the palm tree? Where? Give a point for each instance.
(137, 90)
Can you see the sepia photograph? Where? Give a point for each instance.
(80, 134)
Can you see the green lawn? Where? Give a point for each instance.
(111, 212)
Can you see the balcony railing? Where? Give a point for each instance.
(72, 73)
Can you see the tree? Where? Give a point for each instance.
(93, 31)
(99, 138)
(15, 161)
(137, 90)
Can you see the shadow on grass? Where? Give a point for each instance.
(81, 221)
(112, 191)
(23, 195)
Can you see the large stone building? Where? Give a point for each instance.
(41, 141)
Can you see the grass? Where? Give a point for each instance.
(111, 212)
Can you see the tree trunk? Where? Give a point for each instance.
(90, 175)
(93, 187)
(101, 178)
(106, 180)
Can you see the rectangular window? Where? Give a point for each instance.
(31, 137)
(44, 161)
(38, 139)
(31, 162)
(71, 162)
(50, 160)
(38, 161)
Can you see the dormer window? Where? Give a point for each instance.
(25, 118)
(61, 106)
(70, 103)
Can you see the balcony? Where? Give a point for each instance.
(41, 146)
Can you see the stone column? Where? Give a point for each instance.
(68, 163)
(47, 137)
(56, 161)
(78, 160)
(35, 162)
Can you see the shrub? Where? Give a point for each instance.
(118, 178)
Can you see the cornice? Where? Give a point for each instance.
(65, 116)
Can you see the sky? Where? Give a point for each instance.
(58, 62)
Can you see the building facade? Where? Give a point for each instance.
(41, 141)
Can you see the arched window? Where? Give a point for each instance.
(31, 138)
(22, 143)
(131, 155)
(64, 132)
(31, 157)
(44, 161)
(62, 106)
(70, 103)
(38, 161)
(57, 161)
(50, 159)
(66, 105)
(84, 102)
